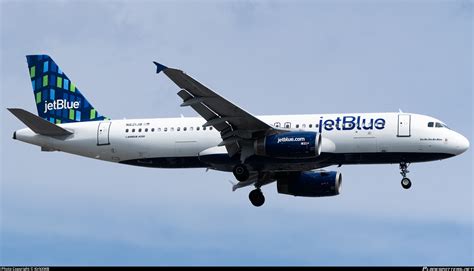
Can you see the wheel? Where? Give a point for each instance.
(257, 198)
(406, 183)
(241, 172)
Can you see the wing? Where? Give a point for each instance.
(235, 124)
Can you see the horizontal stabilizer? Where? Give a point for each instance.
(37, 124)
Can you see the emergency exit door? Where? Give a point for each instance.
(404, 122)
(103, 133)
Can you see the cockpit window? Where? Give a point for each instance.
(437, 125)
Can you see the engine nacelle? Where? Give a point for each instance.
(311, 184)
(289, 145)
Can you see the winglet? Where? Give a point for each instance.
(159, 67)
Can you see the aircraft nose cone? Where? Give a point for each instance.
(462, 144)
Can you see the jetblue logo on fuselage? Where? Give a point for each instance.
(350, 123)
(60, 104)
(291, 139)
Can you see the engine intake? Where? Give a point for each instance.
(311, 184)
(289, 145)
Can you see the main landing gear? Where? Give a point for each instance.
(241, 172)
(256, 197)
(406, 183)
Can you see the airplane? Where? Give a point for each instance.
(291, 150)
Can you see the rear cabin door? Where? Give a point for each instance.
(404, 122)
(103, 133)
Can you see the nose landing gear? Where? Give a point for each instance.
(406, 183)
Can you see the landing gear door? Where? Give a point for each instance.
(103, 133)
(404, 122)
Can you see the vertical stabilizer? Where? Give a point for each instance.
(57, 98)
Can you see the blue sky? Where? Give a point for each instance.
(276, 57)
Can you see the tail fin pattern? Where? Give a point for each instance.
(57, 98)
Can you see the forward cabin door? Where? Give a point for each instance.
(404, 122)
(103, 133)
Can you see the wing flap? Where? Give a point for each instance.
(207, 113)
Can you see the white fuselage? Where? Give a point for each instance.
(402, 134)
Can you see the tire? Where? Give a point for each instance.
(241, 173)
(406, 183)
(257, 198)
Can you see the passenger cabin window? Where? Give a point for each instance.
(277, 124)
(287, 124)
(152, 129)
(210, 128)
(140, 130)
(430, 124)
(184, 128)
(165, 129)
(158, 130)
(126, 130)
(303, 126)
(178, 129)
(197, 128)
(311, 126)
(297, 126)
(146, 129)
(133, 130)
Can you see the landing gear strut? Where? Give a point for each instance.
(256, 197)
(406, 183)
(241, 172)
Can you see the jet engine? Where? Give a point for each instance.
(294, 145)
(310, 184)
